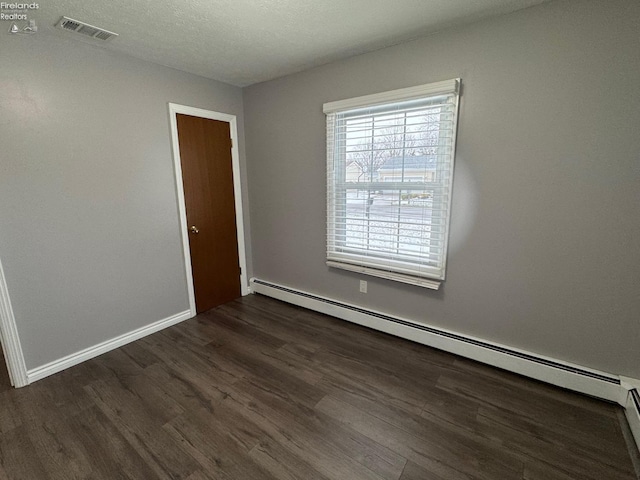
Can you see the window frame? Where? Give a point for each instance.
(419, 274)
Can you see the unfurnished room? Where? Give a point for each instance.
(330, 240)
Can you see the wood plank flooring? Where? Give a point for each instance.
(5, 382)
(258, 389)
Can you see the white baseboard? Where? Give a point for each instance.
(56, 366)
(563, 374)
(632, 412)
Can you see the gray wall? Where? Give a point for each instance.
(545, 238)
(89, 230)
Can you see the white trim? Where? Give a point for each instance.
(633, 416)
(56, 366)
(437, 338)
(175, 109)
(454, 142)
(398, 277)
(10, 339)
(430, 89)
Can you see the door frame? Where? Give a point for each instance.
(174, 110)
(9, 338)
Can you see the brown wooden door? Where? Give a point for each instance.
(207, 176)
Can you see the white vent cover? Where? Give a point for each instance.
(72, 25)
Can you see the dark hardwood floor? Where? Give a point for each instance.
(258, 389)
(5, 382)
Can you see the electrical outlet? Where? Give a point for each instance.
(363, 286)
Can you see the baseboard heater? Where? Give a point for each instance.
(632, 412)
(573, 377)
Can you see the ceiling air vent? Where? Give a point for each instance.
(72, 25)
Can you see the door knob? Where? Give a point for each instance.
(194, 229)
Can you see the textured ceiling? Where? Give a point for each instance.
(242, 42)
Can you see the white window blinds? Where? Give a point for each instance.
(389, 176)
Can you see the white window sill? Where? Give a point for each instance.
(397, 277)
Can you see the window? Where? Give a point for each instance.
(389, 177)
